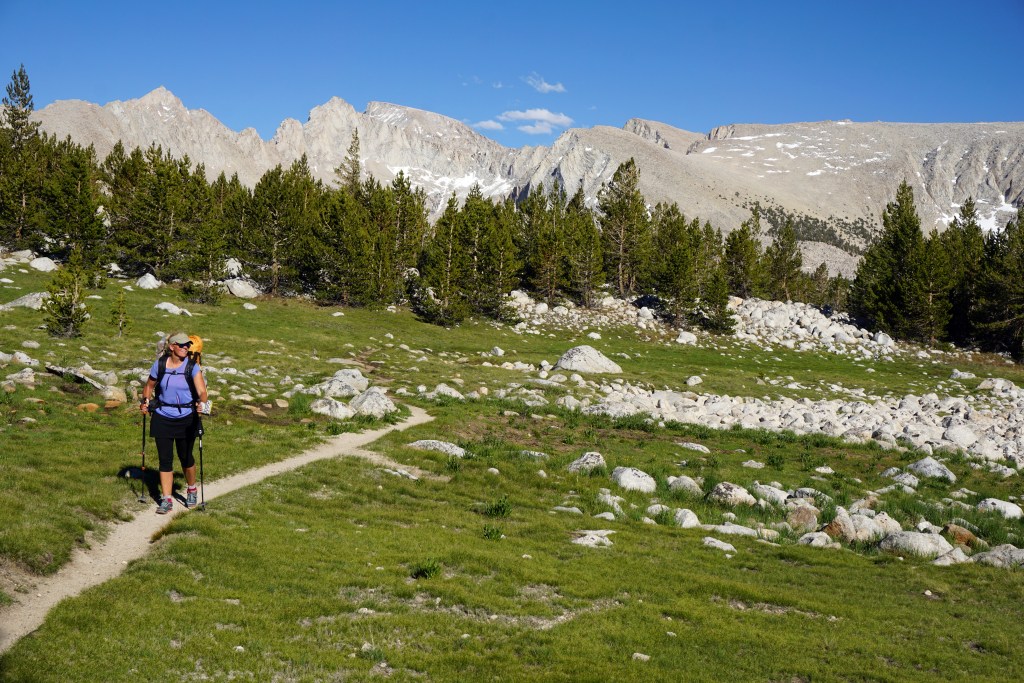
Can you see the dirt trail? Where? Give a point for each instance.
(130, 540)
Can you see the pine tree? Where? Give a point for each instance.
(65, 312)
(544, 222)
(928, 305)
(881, 289)
(119, 317)
(499, 263)
(675, 270)
(625, 229)
(714, 314)
(709, 254)
(149, 222)
(783, 262)
(440, 298)
(964, 243)
(817, 286)
(743, 264)
(121, 174)
(583, 253)
(476, 217)
(350, 170)
(279, 242)
(410, 231)
(1000, 300)
(380, 210)
(20, 176)
(70, 202)
(345, 243)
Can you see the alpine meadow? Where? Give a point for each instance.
(551, 430)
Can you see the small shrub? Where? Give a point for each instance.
(453, 464)
(492, 533)
(64, 312)
(298, 405)
(711, 480)
(808, 461)
(498, 508)
(374, 654)
(425, 569)
(202, 293)
(640, 422)
(336, 428)
(665, 518)
(776, 461)
(599, 472)
(119, 317)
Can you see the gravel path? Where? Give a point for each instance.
(130, 540)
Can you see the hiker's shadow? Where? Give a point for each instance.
(144, 483)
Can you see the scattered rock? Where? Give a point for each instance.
(730, 494)
(587, 359)
(1005, 508)
(33, 301)
(1004, 556)
(148, 281)
(686, 338)
(241, 288)
(818, 539)
(331, 408)
(718, 545)
(43, 264)
(685, 483)
(596, 538)
(930, 467)
(916, 543)
(954, 556)
(587, 462)
(439, 446)
(686, 519)
(632, 479)
(373, 402)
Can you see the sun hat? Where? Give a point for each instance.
(178, 338)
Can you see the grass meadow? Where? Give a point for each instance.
(342, 571)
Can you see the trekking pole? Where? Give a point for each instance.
(142, 493)
(202, 488)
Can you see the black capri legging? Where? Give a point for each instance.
(171, 434)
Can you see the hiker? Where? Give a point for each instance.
(176, 403)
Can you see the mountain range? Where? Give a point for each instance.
(833, 177)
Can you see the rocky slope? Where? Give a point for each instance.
(835, 170)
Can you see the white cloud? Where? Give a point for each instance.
(538, 115)
(489, 125)
(498, 85)
(537, 82)
(539, 128)
(538, 121)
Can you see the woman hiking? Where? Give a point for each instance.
(175, 410)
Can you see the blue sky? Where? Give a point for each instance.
(521, 73)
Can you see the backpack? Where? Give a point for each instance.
(190, 366)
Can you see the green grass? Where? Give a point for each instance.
(340, 571)
(342, 562)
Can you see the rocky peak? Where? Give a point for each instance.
(838, 172)
(160, 97)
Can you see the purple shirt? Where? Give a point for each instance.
(173, 389)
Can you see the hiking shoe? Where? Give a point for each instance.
(166, 505)
(191, 498)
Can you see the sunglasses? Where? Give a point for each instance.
(186, 345)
